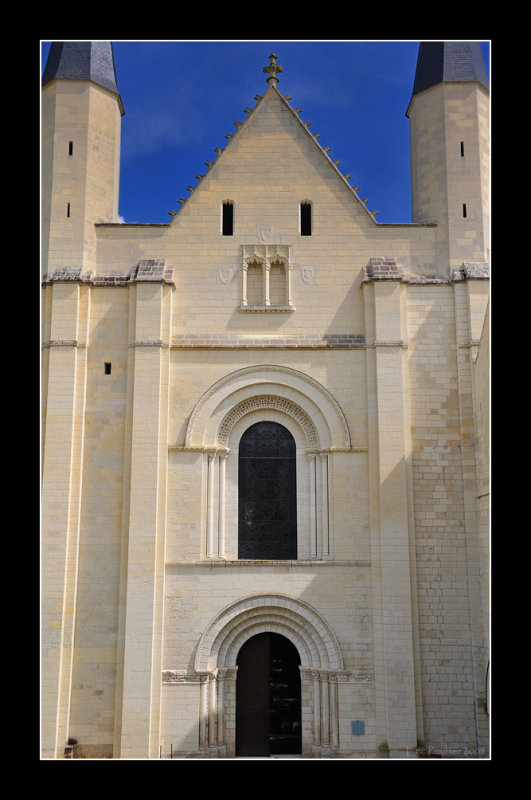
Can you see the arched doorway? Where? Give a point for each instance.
(218, 664)
(268, 697)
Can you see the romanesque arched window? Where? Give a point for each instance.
(267, 501)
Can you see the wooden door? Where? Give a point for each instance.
(252, 697)
(268, 697)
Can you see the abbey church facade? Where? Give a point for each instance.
(265, 483)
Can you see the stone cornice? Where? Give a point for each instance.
(149, 343)
(337, 341)
(266, 309)
(147, 270)
(387, 269)
(387, 343)
(472, 270)
(255, 564)
(183, 448)
(63, 343)
(338, 676)
(182, 676)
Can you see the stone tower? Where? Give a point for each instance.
(449, 139)
(81, 120)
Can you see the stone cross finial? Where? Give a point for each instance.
(272, 69)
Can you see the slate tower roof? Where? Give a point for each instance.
(449, 62)
(82, 61)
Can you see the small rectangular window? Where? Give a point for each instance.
(107, 368)
(306, 219)
(228, 219)
(462, 148)
(68, 209)
(70, 148)
(464, 209)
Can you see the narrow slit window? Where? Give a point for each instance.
(464, 209)
(228, 219)
(107, 368)
(462, 148)
(70, 148)
(306, 219)
(68, 209)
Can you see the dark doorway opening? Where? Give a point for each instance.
(268, 697)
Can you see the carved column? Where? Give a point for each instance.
(244, 284)
(266, 268)
(221, 515)
(212, 710)
(316, 710)
(210, 505)
(334, 714)
(325, 712)
(313, 518)
(325, 546)
(203, 711)
(288, 284)
(221, 706)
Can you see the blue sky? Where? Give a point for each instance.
(182, 97)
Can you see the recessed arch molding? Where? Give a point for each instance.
(267, 386)
(293, 618)
(321, 667)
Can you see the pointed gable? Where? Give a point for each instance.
(270, 142)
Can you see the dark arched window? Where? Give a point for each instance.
(267, 497)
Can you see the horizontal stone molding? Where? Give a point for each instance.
(352, 449)
(338, 676)
(266, 309)
(63, 343)
(425, 280)
(149, 343)
(387, 343)
(214, 341)
(313, 562)
(180, 676)
(183, 448)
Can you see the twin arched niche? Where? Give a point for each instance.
(268, 387)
